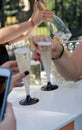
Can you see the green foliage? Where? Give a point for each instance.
(12, 7)
(50, 4)
(42, 30)
(70, 11)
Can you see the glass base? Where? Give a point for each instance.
(49, 87)
(28, 101)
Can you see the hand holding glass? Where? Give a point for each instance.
(56, 25)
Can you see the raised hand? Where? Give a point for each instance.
(40, 16)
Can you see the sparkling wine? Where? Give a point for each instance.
(35, 73)
(45, 49)
(23, 58)
(56, 26)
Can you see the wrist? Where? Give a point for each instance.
(59, 48)
(32, 22)
(60, 54)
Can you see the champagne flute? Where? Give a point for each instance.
(45, 49)
(23, 58)
(56, 26)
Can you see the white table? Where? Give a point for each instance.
(54, 110)
(41, 120)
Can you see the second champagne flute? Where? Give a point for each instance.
(45, 50)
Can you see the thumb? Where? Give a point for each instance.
(20, 75)
(35, 5)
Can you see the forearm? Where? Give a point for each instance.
(21, 37)
(12, 32)
(5, 126)
(67, 67)
(9, 121)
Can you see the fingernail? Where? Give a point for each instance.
(35, 59)
(36, 44)
(26, 72)
(39, 59)
(38, 53)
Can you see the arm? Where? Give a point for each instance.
(13, 32)
(21, 37)
(44, 1)
(70, 67)
(9, 121)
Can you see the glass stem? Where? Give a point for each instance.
(49, 84)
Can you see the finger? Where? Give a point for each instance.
(38, 38)
(36, 56)
(12, 63)
(47, 13)
(20, 75)
(9, 64)
(35, 5)
(44, 1)
(15, 69)
(19, 84)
